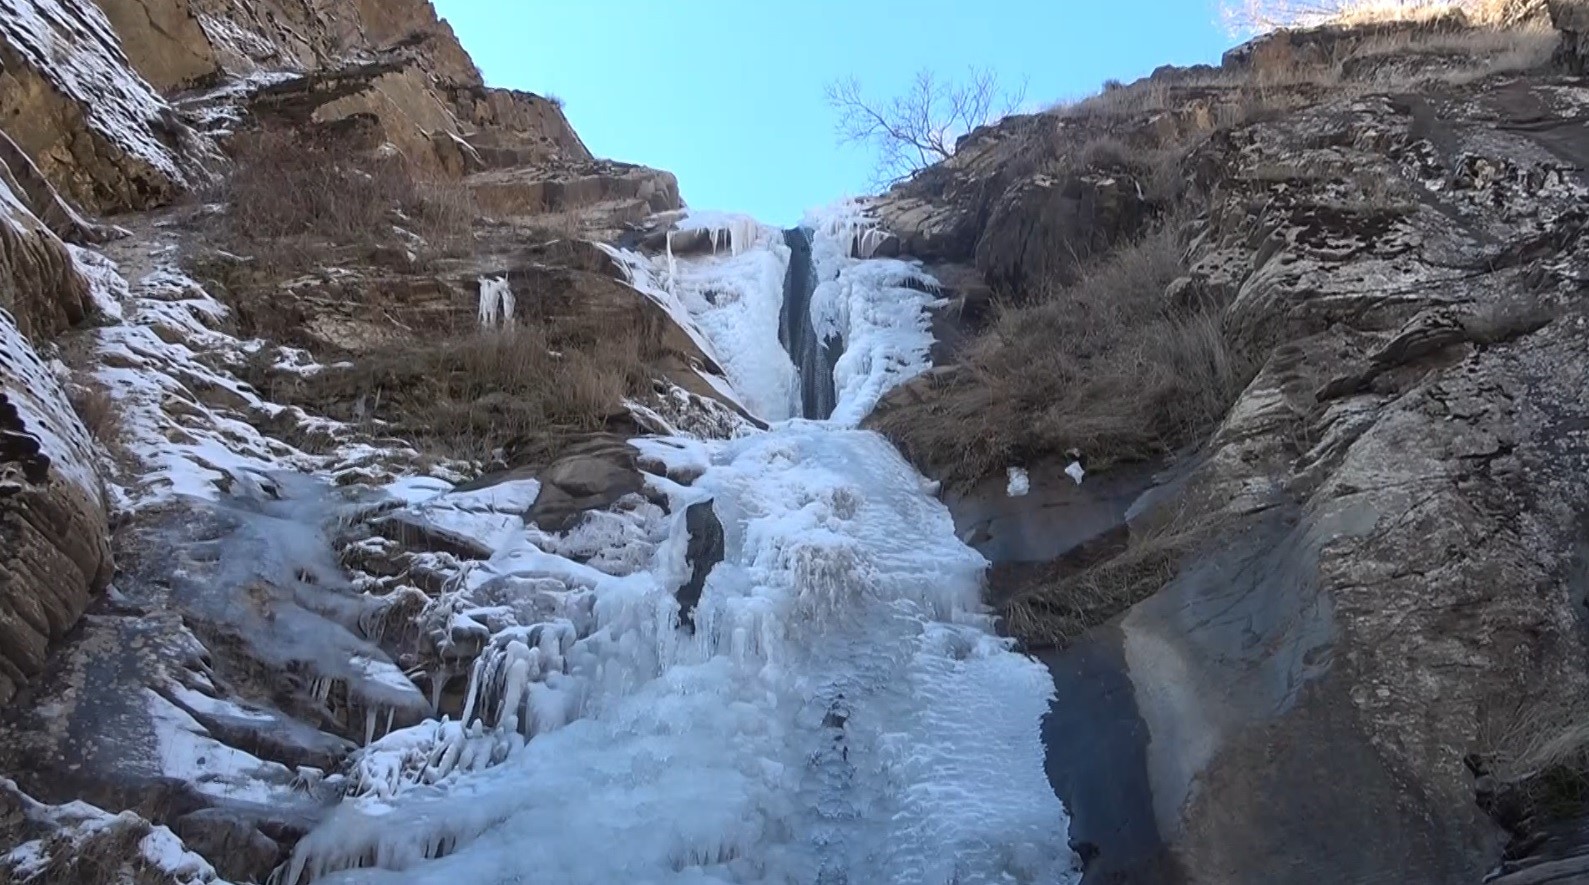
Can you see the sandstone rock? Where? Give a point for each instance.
(54, 537)
(1398, 495)
(39, 285)
(164, 42)
(1044, 226)
(625, 192)
(97, 130)
(586, 476)
(53, 530)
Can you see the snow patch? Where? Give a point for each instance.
(1019, 483)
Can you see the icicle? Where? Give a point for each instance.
(673, 267)
(475, 673)
(390, 713)
(369, 726)
(496, 302)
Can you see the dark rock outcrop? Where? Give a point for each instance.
(1571, 18)
(702, 553)
(1395, 502)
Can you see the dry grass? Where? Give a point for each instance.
(109, 854)
(292, 196)
(98, 410)
(1107, 366)
(1067, 601)
(1542, 749)
(466, 396)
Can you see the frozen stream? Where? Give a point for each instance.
(840, 712)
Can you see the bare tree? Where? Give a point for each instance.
(917, 128)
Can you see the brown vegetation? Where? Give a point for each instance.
(1067, 597)
(294, 197)
(1249, 16)
(98, 410)
(465, 396)
(1108, 366)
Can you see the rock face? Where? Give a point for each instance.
(1571, 18)
(1396, 580)
(211, 699)
(52, 504)
(95, 128)
(52, 513)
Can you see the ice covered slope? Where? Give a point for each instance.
(836, 709)
(871, 314)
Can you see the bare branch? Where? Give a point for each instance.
(920, 126)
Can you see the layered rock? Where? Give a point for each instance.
(52, 503)
(95, 128)
(1387, 578)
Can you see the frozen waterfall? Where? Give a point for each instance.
(841, 711)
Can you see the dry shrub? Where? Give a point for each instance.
(98, 410)
(465, 396)
(109, 853)
(1067, 601)
(293, 195)
(1107, 366)
(1541, 749)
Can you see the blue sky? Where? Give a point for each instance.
(729, 96)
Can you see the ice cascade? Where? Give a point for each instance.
(837, 708)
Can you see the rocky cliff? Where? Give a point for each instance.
(242, 243)
(1334, 631)
(1287, 355)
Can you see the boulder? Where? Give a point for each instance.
(1043, 227)
(703, 551)
(587, 476)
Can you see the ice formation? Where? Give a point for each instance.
(496, 302)
(1074, 471)
(877, 307)
(606, 742)
(1020, 484)
(838, 707)
(732, 300)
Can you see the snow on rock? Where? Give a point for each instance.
(1074, 471)
(42, 415)
(76, 841)
(674, 411)
(187, 752)
(1019, 483)
(72, 45)
(186, 419)
(632, 747)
